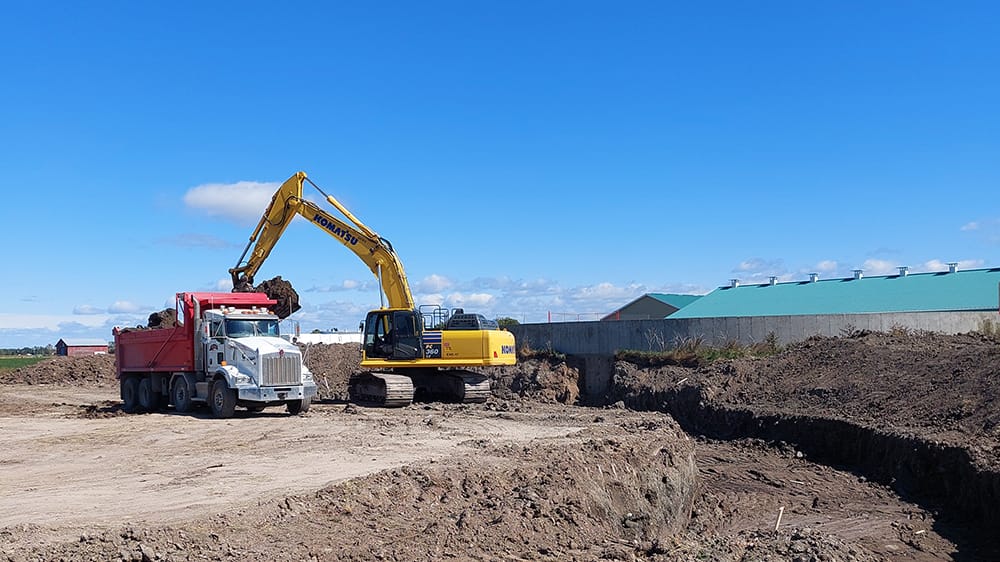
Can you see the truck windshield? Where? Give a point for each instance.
(245, 328)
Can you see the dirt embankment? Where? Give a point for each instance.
(917, 412)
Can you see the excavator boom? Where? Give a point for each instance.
(288, 201)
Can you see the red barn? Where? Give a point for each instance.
(76, 348)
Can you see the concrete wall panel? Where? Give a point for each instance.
(608, 337)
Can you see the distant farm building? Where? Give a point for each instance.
(652, 305)
(79, 347)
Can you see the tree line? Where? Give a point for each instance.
(37, 350)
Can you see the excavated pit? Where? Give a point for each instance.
(928, 454)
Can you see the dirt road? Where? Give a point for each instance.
(68, 469)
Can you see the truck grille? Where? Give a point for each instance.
(281, 370)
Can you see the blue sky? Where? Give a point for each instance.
(523, 157)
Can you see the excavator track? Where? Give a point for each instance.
(454, 385)
(393, 390)
(381, 389)
(475, 387)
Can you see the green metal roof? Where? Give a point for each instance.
(674, 300)
(974, 289)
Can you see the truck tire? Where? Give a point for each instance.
(223, 400)
(182, 396)
(296, 407)
(149, 398)
(130, 395)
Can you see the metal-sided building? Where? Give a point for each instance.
(974, 290)
(948, 302)
(79, 347)
(652, 305)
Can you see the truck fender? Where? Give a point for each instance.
(227, 372)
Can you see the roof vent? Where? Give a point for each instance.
(859, 273)
(953, 267)
(903, 271)
(813, 277)
(734, 283)
(772, 280)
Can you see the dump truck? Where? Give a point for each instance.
(224, 350)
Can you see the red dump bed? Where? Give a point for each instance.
(172, 349)
(163, 349)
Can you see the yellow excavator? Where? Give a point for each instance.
(410, 352)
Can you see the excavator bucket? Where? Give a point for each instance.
(277, 289)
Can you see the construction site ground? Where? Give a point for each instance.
(871, 447)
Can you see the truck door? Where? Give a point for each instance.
(215, 348)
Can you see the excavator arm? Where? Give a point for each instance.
(288, 201)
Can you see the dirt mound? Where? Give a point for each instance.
(332, 366)
(608, 492)
(87, 370)
(546, 380)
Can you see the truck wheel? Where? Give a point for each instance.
(149, 399)
(223, 400)
(182, 396)
(296, 407)
(130, 395)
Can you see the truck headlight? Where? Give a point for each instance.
(243, 379)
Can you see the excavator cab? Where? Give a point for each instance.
(393, 334)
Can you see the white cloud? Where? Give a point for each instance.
(878, 267)
(474, 300)
(970, 226)
(124, 307)
(434, 284)
(606, 291)
(242, 201)
(53, 322)
(345, 285)
(938, 265)
(826, 266)
(431, 299)
(87, 309)
(224, 285)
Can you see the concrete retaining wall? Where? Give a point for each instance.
(584, 338)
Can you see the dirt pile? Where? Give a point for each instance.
(332, 366)
(87, 370)
(545, 380)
